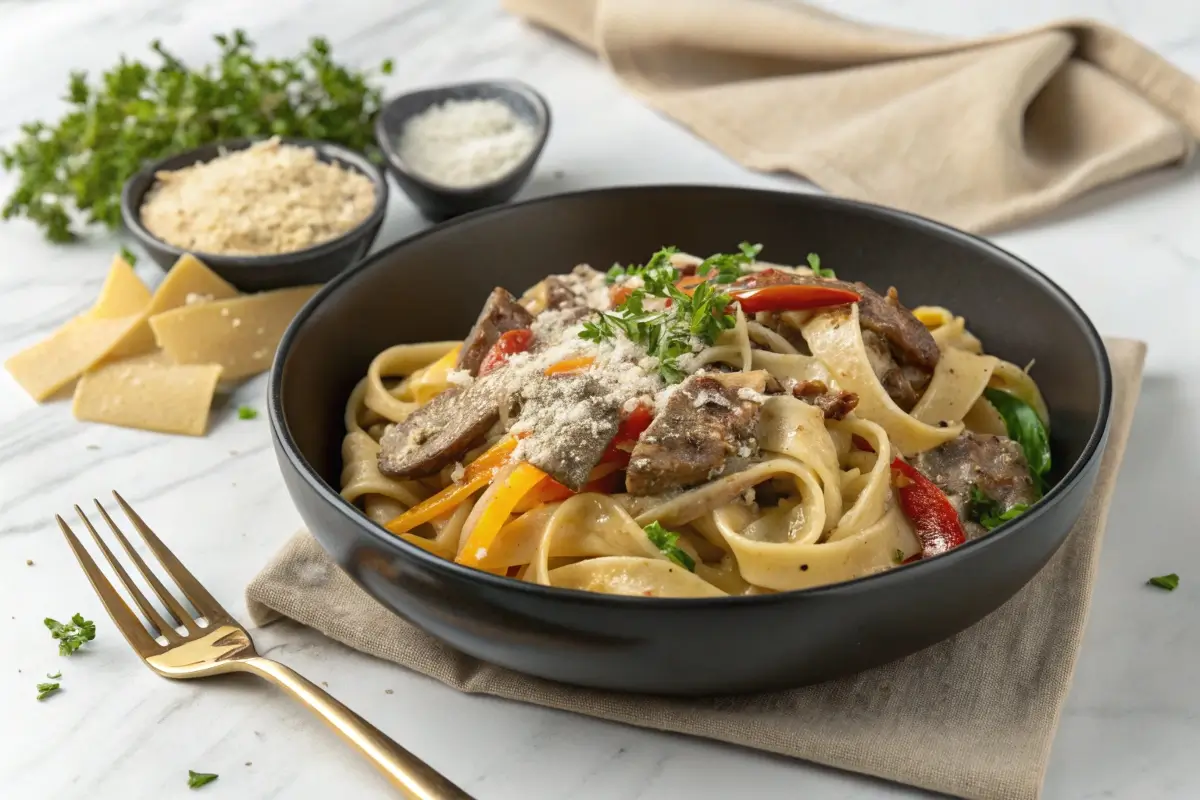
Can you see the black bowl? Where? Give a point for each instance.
(434, 200)
(431, 286)
(258, 273)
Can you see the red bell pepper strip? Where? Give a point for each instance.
(630, 430)
(792, 297)
(510, 343)
(929, 510)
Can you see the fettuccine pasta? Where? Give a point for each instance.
(695, 428)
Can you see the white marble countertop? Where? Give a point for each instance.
(1130, 255)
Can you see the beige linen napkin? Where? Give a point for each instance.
(973, 716)
(981, 133)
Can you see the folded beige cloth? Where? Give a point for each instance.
(972, 717)
(981, 133)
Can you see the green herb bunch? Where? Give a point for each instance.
(667, 333)
(139, 112)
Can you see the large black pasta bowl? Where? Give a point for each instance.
(431, 286)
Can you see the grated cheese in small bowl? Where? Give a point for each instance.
(268, 199)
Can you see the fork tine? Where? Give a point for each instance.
(151, 613)
(176, 609)
(204, 602)
(129, 625)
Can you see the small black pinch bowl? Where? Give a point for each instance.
(259, 273)
(432, 285)
(436, 201)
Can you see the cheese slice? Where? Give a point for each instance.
(123, 292)
(189, 281)
(150, 393)
(77, 346)
(240, 333)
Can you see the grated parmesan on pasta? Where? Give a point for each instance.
(268, 199)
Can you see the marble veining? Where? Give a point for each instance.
(1129, 254)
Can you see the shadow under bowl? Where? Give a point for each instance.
(431, 286)
(251, 273)
(436, 201)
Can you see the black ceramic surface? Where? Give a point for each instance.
(435, 201)
(259, 273)
(432, 285)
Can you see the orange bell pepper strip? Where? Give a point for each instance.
(577, 364)
(479, 473)
(518, 483)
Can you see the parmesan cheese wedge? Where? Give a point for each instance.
(239, 333)
(189, 281)
(150, 393)
(123, 293)
(77, 346)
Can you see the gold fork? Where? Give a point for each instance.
(222, 645)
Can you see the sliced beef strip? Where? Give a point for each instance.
(836, 404)
(704, 423)
(893, 377)
(441, 431)
(501, 313)
(570, 421)
(994, 464)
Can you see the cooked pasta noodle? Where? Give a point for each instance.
(570, 442)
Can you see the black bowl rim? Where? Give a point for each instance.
(946, 560)
(383, 134)
(131, 205)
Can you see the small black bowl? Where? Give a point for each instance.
(434, 200)
(258, 273)
(429, 288)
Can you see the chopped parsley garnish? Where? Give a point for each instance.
(668, 333)
(246, 412)
(128, 255)
(657, 261)
(898, 557)
(730, 266)
(988, 513)
(1168, 582)
(1024, 427)
(47, 689)
(814, 263)
(198, 779)
(72, 635)
(668, 542)
(55, 676)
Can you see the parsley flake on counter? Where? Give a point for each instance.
(47, 689)
(814, 263)
(72, 169)
(198, 779)
(668, 542)
(128, 256)
(246, 412)
(55, 676)
(1168, 582)
(73, 634)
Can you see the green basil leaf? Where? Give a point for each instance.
(1026, 429)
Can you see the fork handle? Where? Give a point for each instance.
(412, 776)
